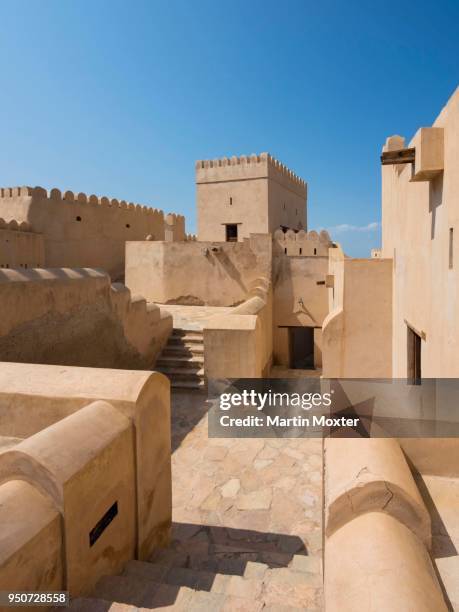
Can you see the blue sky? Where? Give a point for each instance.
(120, 98)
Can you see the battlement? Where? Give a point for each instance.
(13, 225)
(305, 244)
(247, 167)
(68, 197)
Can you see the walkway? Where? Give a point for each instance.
(249, 509)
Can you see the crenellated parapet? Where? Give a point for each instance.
(84, 230)
(69, 197)
(301, 243)
(174, 227)
(245, 167)
(14, 226)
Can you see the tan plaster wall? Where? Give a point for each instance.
(356, 338)
(54, 316)
(84, 463)
(249, 208)
(367, 475)
(376, 563)
(34, 397)
(240, 344)
(20, 248)
(264, 195)
(296, 278)
(30, 540)
(97, 241)
(416, 219)
(210, 273)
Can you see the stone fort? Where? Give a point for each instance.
(114, 323)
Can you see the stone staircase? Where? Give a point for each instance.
(182, 359)
(191, 579)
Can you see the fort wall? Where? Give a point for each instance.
(197, 273)
(359, 319)
(84, 231)
(76, 317)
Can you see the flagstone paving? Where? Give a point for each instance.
(249, 507)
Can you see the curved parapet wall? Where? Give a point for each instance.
(85, 464)
(377, 531)
(377, 563)
(31, 539)
(82, 230)
(34, 399)
(368, 475)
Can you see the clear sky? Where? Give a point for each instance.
(120, 98)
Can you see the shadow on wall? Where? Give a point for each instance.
(76, 317)
(230, 269)
(85, 336)
(435, 200)
(50, 273)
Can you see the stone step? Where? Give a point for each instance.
(179, 576)
(172, 349)
(140, 593)
(195, 361)
(131, 590)
(92, 604)
(179, 332)
(189, 385)
(186, 339)
(182, 373)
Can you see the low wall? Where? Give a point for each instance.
(239, 344)
(371, 475)
(82, 456)
(357, 332)
(31, 545)
(376, 563)
(377, 531)
(85, 465)
(197, 273)
(76, 317)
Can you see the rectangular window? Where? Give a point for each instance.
(413, 357)
(451, 245)
(231, 201)
(231, 232)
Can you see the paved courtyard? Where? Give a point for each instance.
(249, 509)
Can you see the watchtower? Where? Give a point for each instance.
(238, 196)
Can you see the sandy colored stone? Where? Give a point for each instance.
(256, 500)
(231, 488)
